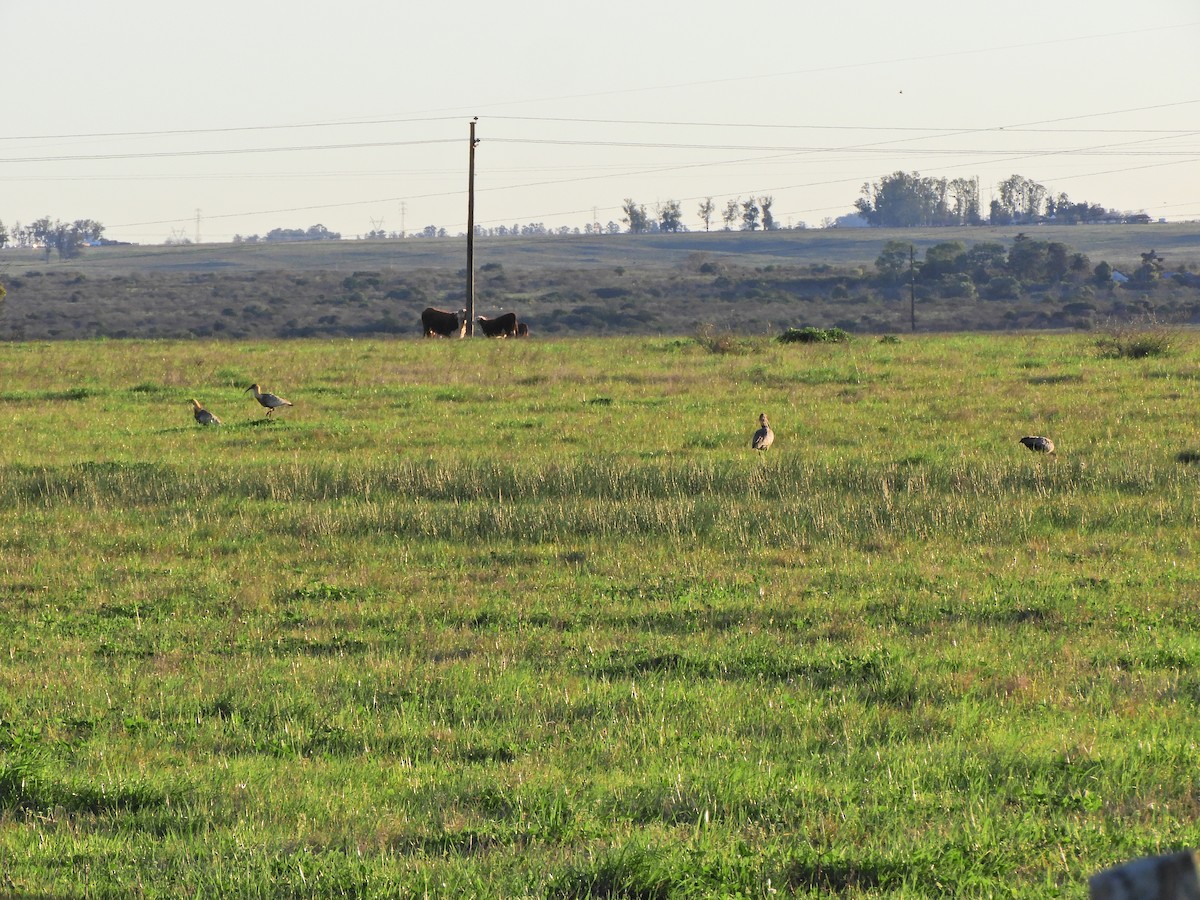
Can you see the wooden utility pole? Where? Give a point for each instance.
(471, 234)
(912, 286)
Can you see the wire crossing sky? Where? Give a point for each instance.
(228, 119)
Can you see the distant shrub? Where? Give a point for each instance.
(1135, 348)
(715, 341)
(361, 280)
(812, 335)
(1188, 457)
(611, 293)
(675, 345)
(889, 339)
(1137, 339)
(957, 286)
(1003, 287)
(404, 292)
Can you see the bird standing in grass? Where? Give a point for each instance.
(203, 416)
(271, 401)
(764, 437)
(1039, 444)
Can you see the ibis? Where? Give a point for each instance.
(1038, 444)
(271, 401)
(764, 437)
(203, 416)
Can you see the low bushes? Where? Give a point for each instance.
(812, 335)
(1137, 340)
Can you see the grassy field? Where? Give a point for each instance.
(529, 619)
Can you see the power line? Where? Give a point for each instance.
(449, 115)
(779, 152)
(1025, 128)
(932, 130)
(171, 154)
(1026, 155)
(174, 132)
(880, 147)
(551, 182)
(1028, 127)
(776, 148)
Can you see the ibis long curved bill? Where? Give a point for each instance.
(271, 401)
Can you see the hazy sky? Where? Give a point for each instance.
(251, 115)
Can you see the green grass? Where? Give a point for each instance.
(531, 619)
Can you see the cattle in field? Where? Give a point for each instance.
(440, 323)
(522, 330)
(501, 326)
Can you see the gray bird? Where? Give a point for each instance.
(203, 416)
(1038, 444)
(270, 401)
(764, 437)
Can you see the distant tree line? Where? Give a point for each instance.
(284, 235)
(899, 200)
(908, 200)
(750, 214)
(990, 271)
(65, 238)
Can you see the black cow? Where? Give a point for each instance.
(439, 323)
(522, 330)
(501, 326)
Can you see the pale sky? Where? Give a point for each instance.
(168, 120)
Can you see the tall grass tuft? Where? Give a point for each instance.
(1137, 339)
(718, 341)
